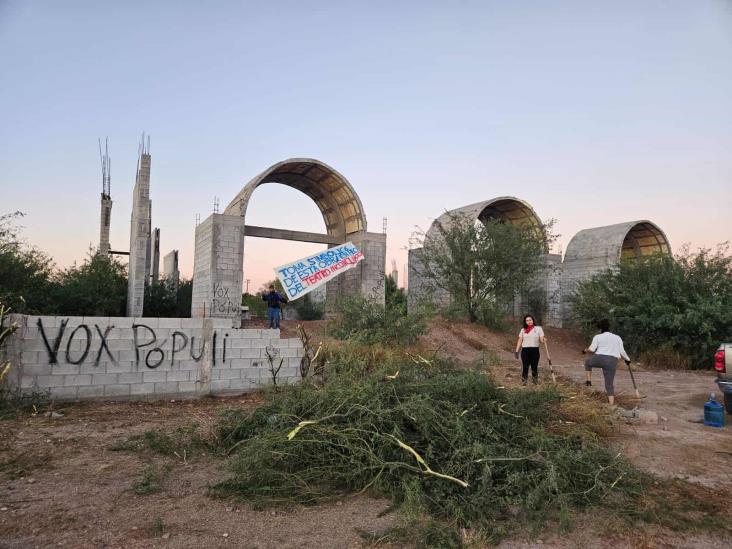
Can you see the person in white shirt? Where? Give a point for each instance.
(529, 339)
(607, 348)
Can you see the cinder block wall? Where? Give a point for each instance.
(80, 358)
(218, 267)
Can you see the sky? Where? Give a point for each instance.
(593, 112)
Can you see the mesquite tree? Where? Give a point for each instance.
(481, 266)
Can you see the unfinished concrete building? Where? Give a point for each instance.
(506, 208)
(139, 266)
(219, 249)
(592, 251)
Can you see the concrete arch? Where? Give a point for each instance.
(632, 239)
(219, 254)
(335, 197)
(592, 251)
(507, 208)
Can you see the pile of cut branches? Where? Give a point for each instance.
(448, 442)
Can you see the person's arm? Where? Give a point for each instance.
(593, 346)
(625, 356)
(264, 297)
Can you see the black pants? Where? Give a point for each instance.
(530, 357)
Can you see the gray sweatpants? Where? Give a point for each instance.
(608, 364)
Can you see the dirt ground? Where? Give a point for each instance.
(61, 485)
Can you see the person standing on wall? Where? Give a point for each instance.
(274, 299)
(607, 348)
(529, 339)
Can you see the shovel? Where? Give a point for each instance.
(632, 377)
(551, 368)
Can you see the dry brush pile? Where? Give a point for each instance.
(447, 443)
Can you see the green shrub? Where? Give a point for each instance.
(663, 307)
(487, 456)
(365, 321)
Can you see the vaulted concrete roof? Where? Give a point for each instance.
(335, 197)
(632, 239)
(507, 208)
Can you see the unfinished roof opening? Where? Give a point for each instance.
(642, 240)
(512, 210)
(332, 193)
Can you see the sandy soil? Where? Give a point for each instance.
(60, 485)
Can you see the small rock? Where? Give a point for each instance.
(228, 509)
(31, 480)
(3, 508)
(134, 527)
(166, 535)
(273, 513)
(647, 416)
(225, 535)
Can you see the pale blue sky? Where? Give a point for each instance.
(593, 112)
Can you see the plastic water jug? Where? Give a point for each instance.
(713, 412)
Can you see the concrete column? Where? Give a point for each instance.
(139, 239)
(367, 278)
(218, 266)
(104, 224)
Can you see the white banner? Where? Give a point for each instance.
(304, 275)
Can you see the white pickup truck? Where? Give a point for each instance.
(723, 366)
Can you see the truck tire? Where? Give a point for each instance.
(728, 402)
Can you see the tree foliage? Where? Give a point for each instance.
(661, 304)
(26, 272)
(482, 266)
(97, 287)
(395, 296)
(168, 299)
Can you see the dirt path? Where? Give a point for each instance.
(60, 485)
(679, 446)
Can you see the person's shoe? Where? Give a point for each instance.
(524, 381)
(588, 384)
(535, 380)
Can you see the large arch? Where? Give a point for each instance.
(594, 250)
(506, 208)
(336, 199)
(219, 254)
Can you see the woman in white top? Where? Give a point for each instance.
(607, 348)
(529, 339)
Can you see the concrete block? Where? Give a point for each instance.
(249, 334)
(188, 365)
(296, 343)
(142, 388)
(178, 376)
(241, 384)
(253, 374)
(64, 393)
(219, 384)
(166, 388)
(280, 343)
(135, 377)
(91, 391)
(32, 357)
(49, 381)
(120, 345)
(104, 379)
(240, 363)
(101, 321)
(288, 352)
(120, 367)
(91, 368)
(169, 323)
(36, 369)
(252, 353)
(28, 382)
(127, 356)
(84, 379)
(194, 323)
(229, 374)
(153, 376)
(238, 344)
(188, 387)
(123, 322)
(116, 390)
